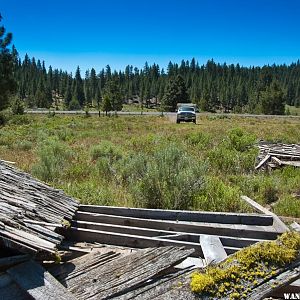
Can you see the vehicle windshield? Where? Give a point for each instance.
(186, 108)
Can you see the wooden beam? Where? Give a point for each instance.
(263, 161)
(247, 231)
(118, 239)
(278, 224)
(184, 236)
(181, 215)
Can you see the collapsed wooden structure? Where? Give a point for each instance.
(274, 155)
(30, 212)
(112, 252)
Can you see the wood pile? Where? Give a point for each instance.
(30, 212)
(274, 155)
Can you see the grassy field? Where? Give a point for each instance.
(151, 162)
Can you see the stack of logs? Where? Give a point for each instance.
(30, 211)
(274, 155)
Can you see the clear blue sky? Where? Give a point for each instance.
(94, 33)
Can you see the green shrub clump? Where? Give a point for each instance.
(54, 156)
(168, 179)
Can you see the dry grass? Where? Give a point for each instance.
(229, 175)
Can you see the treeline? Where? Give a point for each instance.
(212, 86)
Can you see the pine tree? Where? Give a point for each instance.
(7, 80)
(176, 92)
(106, 104)
(112, 92)
(78, 93)
(272, 100)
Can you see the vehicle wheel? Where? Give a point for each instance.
(194, 122)
(177, 121)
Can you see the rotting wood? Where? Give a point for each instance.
(263, 161)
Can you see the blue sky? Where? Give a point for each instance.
(92, 33)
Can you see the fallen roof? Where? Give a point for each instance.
(30, 211)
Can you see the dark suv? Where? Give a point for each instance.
(186, 114)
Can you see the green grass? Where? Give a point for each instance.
(148, 161)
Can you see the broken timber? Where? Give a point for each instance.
(274, 155)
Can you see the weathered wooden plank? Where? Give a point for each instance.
(181, 215)
(248, 231)
(157, 287)
(281, 280)
(13, 244)
(126, 273)
(278, 224)
(38, 283)
(184, 236)
(263, 161)
(290, 163)
(81, 265)
(293, 287)
(134, 241)
(212, 249)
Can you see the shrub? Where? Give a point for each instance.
(200, 139)
(219, 196)
(106, 149)
(17, 106)
(235, 153)
(74, 105)
(53, 158)
(4, 117)
(241, 140)
(169, 179)
(20, 120)
(24, 145)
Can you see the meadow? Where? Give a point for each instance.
(149, 161)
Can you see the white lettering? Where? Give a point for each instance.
(292, 296)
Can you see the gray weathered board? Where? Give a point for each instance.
(84, 277)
